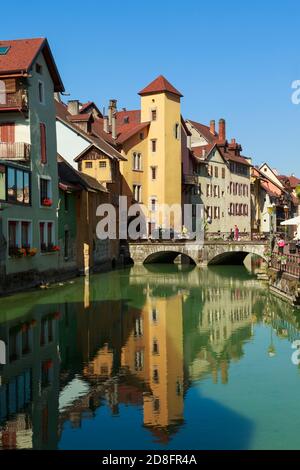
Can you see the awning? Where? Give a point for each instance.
(293, 221)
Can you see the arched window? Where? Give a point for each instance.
(2, 92)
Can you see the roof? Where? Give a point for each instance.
(128, 124)
(80, 117)
(205, 131)
(21, 56)
(292, 181)
(160, 85)
(227, 154)
(89, 104)
(69, 176)
(63, 115)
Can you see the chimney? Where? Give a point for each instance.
(105, 124)
(114, 126)
(212, 127)
(233, 141)
(112, 108)
(222, 130)
(73, 107)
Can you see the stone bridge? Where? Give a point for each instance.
(212, 252)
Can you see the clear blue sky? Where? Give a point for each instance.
(230, 59)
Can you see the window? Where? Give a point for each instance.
(223, 173)
(102, 164)
(41, 92)
(216, 212)
(18, 185)
(153, 204)
(177, 131)
(245, 209)
(208, 190)
(209, 170)
(38, 68)
(19, 235)
(138, 327)
(4, 50)
(137, 161)
(45, 192)
(216, 191)
(88, 164)
(46, 236)
(153, 115)
(137, 192)
(155, 375)
(153, 172)
(43, 143)
(141, 135)
(139, 360)
(153, 145)
(7, 134)
(154, 314)
(216, 172)
(155, 349)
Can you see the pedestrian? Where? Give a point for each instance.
(236, 233)
(281, 245)
(231, 235)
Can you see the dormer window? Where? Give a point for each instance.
(126, 120)
(4, 50)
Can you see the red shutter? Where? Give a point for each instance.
(43, 143)
(7, 132)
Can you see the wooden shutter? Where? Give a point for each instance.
(43, 143)
(10, 85)
(7, 132)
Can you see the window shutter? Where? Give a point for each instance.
(7, 132)
(10, 85)
(43, 142)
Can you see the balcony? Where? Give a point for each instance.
(191, 179)
(15, 101)
(16, 151)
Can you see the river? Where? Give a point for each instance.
(150, 357)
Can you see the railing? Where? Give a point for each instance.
(191, 179)
(13, 100)
(286, 263)
(14, 151)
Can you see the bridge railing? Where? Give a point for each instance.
(287, 263)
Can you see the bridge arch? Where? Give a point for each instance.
(166, 256)
(234, 255)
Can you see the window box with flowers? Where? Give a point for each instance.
(16, 252)
(47, 202)
(50, 248)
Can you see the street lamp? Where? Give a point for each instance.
(271, 209)
(286, 212)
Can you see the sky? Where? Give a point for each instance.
(230, 59)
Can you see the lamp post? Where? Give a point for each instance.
(271, 209)
(286, 212)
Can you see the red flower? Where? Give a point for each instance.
(55, 248)
(47, 202)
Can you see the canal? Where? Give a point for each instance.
(150, 357)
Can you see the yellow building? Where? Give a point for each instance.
(150, 141)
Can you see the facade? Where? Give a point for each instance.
(221, 178)
(80, 195)
(28, 170)
(273, 200)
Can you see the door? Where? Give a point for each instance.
(7, 132)
(7, 135)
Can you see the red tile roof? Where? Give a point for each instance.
(85, 106)
(292, 181)
(204, 130)
(80, 117)
(21, 55)
(160, 84)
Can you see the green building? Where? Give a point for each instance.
(28, 166)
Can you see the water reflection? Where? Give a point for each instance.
(136, 338)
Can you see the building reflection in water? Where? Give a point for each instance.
(140, 338)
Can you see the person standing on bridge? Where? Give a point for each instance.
(236, 233)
